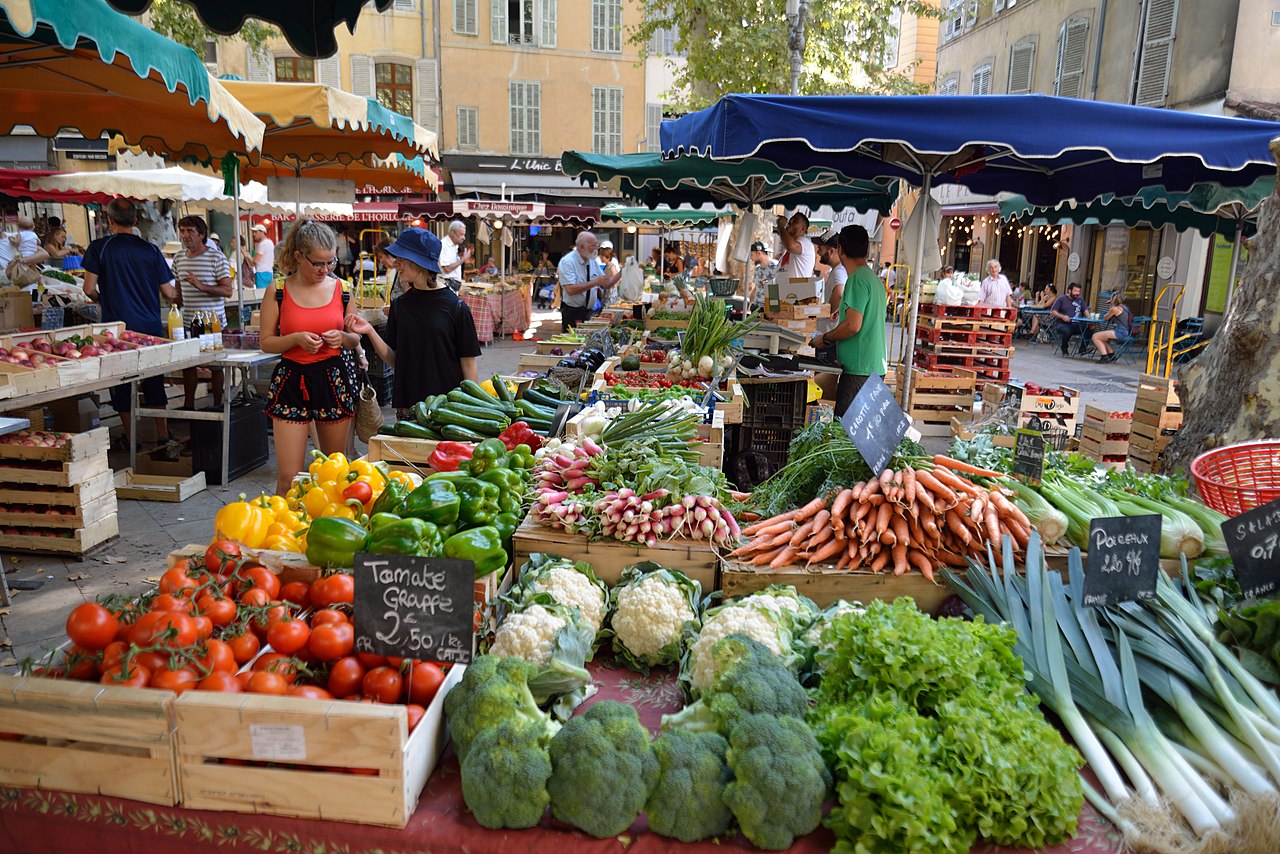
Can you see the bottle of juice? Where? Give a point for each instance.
(176, 331)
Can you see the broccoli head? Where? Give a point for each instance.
(493, 690)
(504, 777)
(751, 681)
(780, 780)
(688, 801)
(602, 769)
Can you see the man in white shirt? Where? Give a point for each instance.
(995, 288)
(263, 257)
(798, 253)
(451, 258)
(888, 275)
(948, 293)
(580, 275)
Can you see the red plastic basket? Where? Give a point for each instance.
(1240, 477)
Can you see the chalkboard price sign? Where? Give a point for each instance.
(1253, 539)
(415, 607)
(1028, 456)
(875, 423)
(1124, 557)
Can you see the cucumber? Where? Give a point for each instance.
(446, 416)
(504, 393)
(461, 434)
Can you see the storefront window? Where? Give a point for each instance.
(1124, 260)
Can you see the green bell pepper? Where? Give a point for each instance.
(407, 537)
(378, 521)
(482, 546)
(521, 457)
(436, 501)
(447, 531)
(489, 454)
(506, 523)
(334, 541)
(505, 479)
(479, 502)
(390, 499)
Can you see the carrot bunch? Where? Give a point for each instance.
(903, 520)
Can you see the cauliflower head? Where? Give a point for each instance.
(649, 620)
(813, 636)
(529, 635)
(574, 590)
(755, 623)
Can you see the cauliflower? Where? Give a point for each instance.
(529, 635)
(755, 623)
(813, 637)
(782, 603)
(555, 640)
(573, 589)
(651, 614)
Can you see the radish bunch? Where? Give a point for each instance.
(633, 518)
(566, 468)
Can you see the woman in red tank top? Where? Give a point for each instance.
(304, 323)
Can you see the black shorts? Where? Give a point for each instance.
(151, 390)
(322, 392)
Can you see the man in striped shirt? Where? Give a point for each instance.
(204, 279)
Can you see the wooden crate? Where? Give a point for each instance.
(53, 472)
(1097, 449)
(88, 738)
(29, 380)
(935, 400)
(536, 362)
(545, 347)
(1065, 404)
(1157, 416)
(1104, 422)
(400, 450)
(80, 446)
(825, 585)
(712, 444)
(1156, 394)
(82, 516)
(733, 406)
(80, 541)
(961, 430)
(145, 487)
(310, 737)
(695, 558)
(72, 495)
(651, 324)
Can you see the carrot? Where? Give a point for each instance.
(886, 478)
(909, 482)
(993, 525)
(956, 526)
(786, 557)
(765, 558)
(820, 536)
(863, 511)
(882, 518)
(811, 508)
(900, 529)
(827, 552)
(921, 563)
(889, 537)
(844, 561)
(872, 488)
(880, 562)
(840, 507)
(930, 526)
(854, 551)
(924, 497)
(801, 533)
(955, 465)
(786, 526)
(951, 559)
(936, 486)
(749, 516)
(956, 482)
(857, 490)
(900, 564)
(977, 509)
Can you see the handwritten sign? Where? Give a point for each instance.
(1124, 557)
(1028, 456)
(875, 423)
(1253, 539)
(415, 607)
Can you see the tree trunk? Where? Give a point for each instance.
(1231, 392)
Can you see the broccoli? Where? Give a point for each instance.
(492, 691)
(504, 777)
(602, 769)
(751, 681)
(688, 801)
(780, 780)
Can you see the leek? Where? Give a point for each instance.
(1209, 520)
(1080, 505)
(1179, 533)
(1050, 522)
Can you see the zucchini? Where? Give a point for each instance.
(487, 427)
(504, 393)
(482, 412)
(541, 398)
(532, 410)
(474, 389)
(461, 434)
(422, 413)
(413, 430)
(460, 396)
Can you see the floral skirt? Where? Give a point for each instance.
(321, 391)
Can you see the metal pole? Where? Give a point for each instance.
(235, 205)
(796, 13)
(914, 284)
(1235, 262)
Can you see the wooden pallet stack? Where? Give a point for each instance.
(977, 338)
(1105, 436)
(57, 500)
(939, 396)
(1157, 415)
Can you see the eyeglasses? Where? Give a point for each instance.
(323, 265)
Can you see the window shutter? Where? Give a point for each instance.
(262, 67)
(1157, 53)
(468, 129)
(534, 132)
(982, 80)
(547, 23)
(652, 127)
(362, 76)
(1073, 41)
(1022, 61)
(950, 86)
(597, 119)
(464, 17)
(329, 72)
(615, 120)
(426, 104)
(498, 21)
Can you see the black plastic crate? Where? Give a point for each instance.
(776, 403)
(755, 453)
(249, 442)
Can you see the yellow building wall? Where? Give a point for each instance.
(918, 43)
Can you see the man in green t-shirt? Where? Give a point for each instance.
(859, 337)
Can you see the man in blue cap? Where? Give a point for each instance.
(431, 337)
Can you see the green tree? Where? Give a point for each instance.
(178, 21)
(741, 46)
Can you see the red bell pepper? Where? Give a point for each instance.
(449, 455)
(520, 433)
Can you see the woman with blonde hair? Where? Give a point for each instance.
(303, 320)
(1116, 325)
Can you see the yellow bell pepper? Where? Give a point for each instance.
(403, 478)
(361, 468)
(333, 470)
(342, 511)
(244, 522)
(276, 505)
(282, 544)
(315, 501)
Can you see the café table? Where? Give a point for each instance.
(1088, 326)
(1025, 316)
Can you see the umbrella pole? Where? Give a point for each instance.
(1235, 262)
(921, 233)
(235, 209)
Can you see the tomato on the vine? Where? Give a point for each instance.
(222, 557)
(218, 656)
(112, 655)
(81, 663)
(173, 604)
(331, 641)
(220, 680)
(415, 713)
(255, 597)
(264, 682)
(275, 662)
(370, 660)
(136, 676)
(336, 589)
(328, 615)
(310, 692)
(288, 635)
(91, 626)
(178, 582)
(260, 576)
(178, 681)
(297, 592)
(219, 610)
(244, 647)
(346, 676)
(383, 684)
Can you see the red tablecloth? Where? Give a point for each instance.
(500, 314)
(42, 821)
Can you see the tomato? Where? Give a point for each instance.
(91, 626)
(310, 692)
(370, 660)
(221, 612)
(288, 635)
(274, 662)
(179, 681)
(260, 576)
(335, 589)
(112, 655)
(331, 641)
(81, 663)
(140, 631)
(274, 614)
(177, 582)
(172, 604)
(267, 683)
(383, 684)
(424, 681)
(328, 615)
(244, 647)
(297, 592)
(169, 630)
(415, 715)
(218, 656)
(360, 491)
(220, 680)
(243, 678)
(255, 597)
(153, 661)
(136, 676)
(222, 557)
(346, 676)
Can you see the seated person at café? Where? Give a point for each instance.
(1044, 299)
(1117, 324)
(1065, 311)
